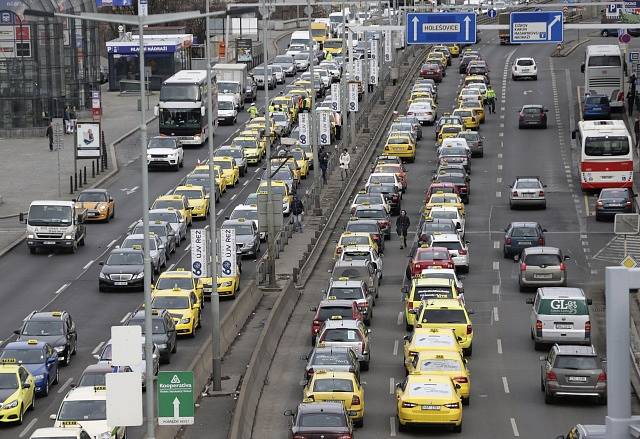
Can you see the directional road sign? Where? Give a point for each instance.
(536, 27)
(175, 398)
(492, 13)
(441, 27)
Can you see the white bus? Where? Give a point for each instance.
(604, 71)
(606, 154)
(182, 109)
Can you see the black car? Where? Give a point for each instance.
(369, 226)
(320, 419)
(614, 200)
(250, 90)
(53, 327)
(123, 270)
(96, 375)
(532, 116)
(431, 226)
(520, 235)
(164, 331)
(391, 194)
(163, 230)
(464, 62)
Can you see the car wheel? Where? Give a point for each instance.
(522, 288)
(602, 400)
(520, 126)
(535, 77)
(505, 253)
(408, 327)
(466, 401)
(548, 398)
(45, 392)
(538, 346)
(542, 389)
(33, 250)
(604, 33)
(19, 421)
(513, 77)
(457, 428)
(67, 359)
(56, 380)
(175, 347)
(359, 423)
(365, 365)
(468, 352)
(401, 427)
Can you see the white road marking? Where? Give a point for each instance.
(400, 318)
(505, 384)
(171, 267)
(257, 170)
(62, 288)
(499, 167)
(495, 289)
(97, 348)
(500, 134)
(392, 386)
(499, 194)
(219, 212)
(496, 265)
(111, 243)
(514, 427)
(65, 385)
(594, 272)
(499, 180)
(392, 425)
(245, 183)
(395, 348)
(233, 197)
(124, 318)
(496, 316)
(29, 426)
(88, 264)
(187, 247)
(496, 244)
(499, 346)
(50, 255)
(499, 155)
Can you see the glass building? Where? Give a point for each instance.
(46, 63)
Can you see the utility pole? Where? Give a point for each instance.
(216, 366)
(344, 86)
(365, 74)
(312, 119)
(352, 125)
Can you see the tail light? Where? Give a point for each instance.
(345, 436)
(562, 266)
(316, 324)
(462, 252)
(541, 194)
(449, 265)
(469, 329)
(587, 329)
(462, 380)
(394, 197)
(339, 250)
(514, 194)
(412, 353)
(408, 405)
(416, 266)
(409, 113)
(540, 241)
(628, 203)
(551, 376)
(363, 347)
(621, 96)
(409, 305)
(355, 400)
(521, 116)
(602, 378)
(507, 241)
(453, 405)
(310, 372)
(538, 328)
(523, 267)
(299, 436)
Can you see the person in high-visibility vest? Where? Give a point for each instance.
(253, 111)
(329, 57)
(491, 99)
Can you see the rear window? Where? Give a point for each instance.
(439, 365)
(576, 362)
(444, 316)
(532, 110)
(334, 358)
(563, 306)
(326, 312)
(525, 62)
(425, 293)
(333, 385)
(346, 293)
(524, 232)
(542, 260)
(341, 335)
(596, 100)
(449, 245)
(433, 256)
(322, 420)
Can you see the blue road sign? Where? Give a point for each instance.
(441, 27)
(536, 27)
(491, 13)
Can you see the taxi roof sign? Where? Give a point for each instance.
(32, 341)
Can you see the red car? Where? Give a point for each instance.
(447, 188)
(460, 179)
(346, 309)
(431, 71)
(427, 257)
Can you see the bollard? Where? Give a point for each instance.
(75, 181)
(71, 184)
(93, 169)
(85, 174)
(80, 178)
(98, 166)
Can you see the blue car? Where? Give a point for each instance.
(596, 107)
(39, 358)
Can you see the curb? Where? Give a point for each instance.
(574, 47)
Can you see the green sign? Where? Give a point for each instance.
(175, 398)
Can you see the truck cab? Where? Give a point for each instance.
(55, 225)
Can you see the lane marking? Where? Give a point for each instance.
(499, 180)
(124, 318)
(495, 290)
(395, 348)
(219, 212)
(88, 264)
(505, 384)
(392, 425)
(233, 197)
(65, 385)
(514, 427)
(496, 316)
(62, 288)
(245, 183)
(499, 167)
(97, 348)
(29, 426)
(400, 318)
(499, 194)
(171, 267)
(111, 243)
(586, 205)
(392, 386)
(499, 155)
(187, 247)
(499, 342)
(496, 244)
(496, 265)
(257, 170)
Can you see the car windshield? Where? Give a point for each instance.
(436, 255)
(225, 105)
(90, 379)
(444, 214)
(606, 146)
(8, 380)
(345, 293)
(563, 306)
(464, 113)
(125, 259)
(449, 245)
(92, 197)
(469, 136)
(244, 143)
(162, 142)
(24, 356)
(43, 328)
(370, 213)
(170, 217)
(224, 164)
(359, 227)
(156, 324)
(283, 59)
(131, 242)
(438, 227)
(444, 316)
(596, 100)
(165, 204)
(419, 389)
(613, 193)
(241, 229)
(332, 385)
(250, 214)
(398, 141)
(576, 362)
(89, 410)
(451, 130)
(190, 194)
(542, 260)
(341, 335)
(166, 302)
(519, 232)
(168, 283)
(326, 312)
(322, 420)
(159, 230)
(330, 359)
(453, 151)
(532, 110)
(355, 240)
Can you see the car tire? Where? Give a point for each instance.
(505, 253)
(542, 389)
(548, 398)
(401, 427)
(365, 365)
(513, 77)
(522, 288)
(175, 347)
(457, 428)
(468, 352)
(466, 401)
(604, 33)
(534, 77)
(19, 421)
(56, 380)
(33, 250)
(359, 424)
(544, 125)
(602, 400)
(67, 359)
(538, 346)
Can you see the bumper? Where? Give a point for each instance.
(528, 202)
(49, 243)
(162, 163)
(229, 180)
(41, 385)
(461, 261)
(599, 391)
(410, 318)
(562, 336)
(356, 414)
(611, 212)
(596, 114)
(184, 328)
(415, 416)
(108, 284)
(518, 74)
(96, 215)
(10, 415)
(525, 282)
(199, 212)
(247, 250)
(226, 119)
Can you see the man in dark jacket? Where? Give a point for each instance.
(402, 227)
(49, 134)
(323, 159)
(636, 130)
(297, 210)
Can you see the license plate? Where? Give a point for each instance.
(398, 148)
(120, 283)
(430, 407)
(525, 242)
(542, 276)
(92, 214)
(49, 243)
(577, 379)
(564, 326)
(528, 195)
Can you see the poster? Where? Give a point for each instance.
(303, 128)
(228, 263)
(325, 128)
(335, 96)
(244, 48)
(88, 140)
(353, 97)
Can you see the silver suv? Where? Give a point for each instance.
(542, 267)
(572, 371)
(560, 315)
(356, 290)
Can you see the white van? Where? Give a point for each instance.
(300, 37)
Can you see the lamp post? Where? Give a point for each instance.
(312, 119)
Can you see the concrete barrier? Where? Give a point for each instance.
(288, 24)
(233, 321)
(259, 365)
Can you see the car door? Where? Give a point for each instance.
(28, 394)
(533, 317)
(71, 335)
(52, 363)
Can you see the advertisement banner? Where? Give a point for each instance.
(244, 49)
(353, 97)
(357, 65)
(228, 264)
(303, 126)
(374, 49)
(335, 97)
(373, 72)
(325, 128)
(87, 140)
(199, 265)
(388, 46)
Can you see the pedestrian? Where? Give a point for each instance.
(73, 114)
(402, 227)
(630, 99)
(329, 56)
(632, 83)
(297, 211)
(345, 159)
(323, 159)
(49, 134)
(491, 99)
(253, 110)
(636, 130)
(67, 120)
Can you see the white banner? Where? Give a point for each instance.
(335, 97)
(303, 126)
(199, 249)
(228, 262)
(374, 49)
(353, 96)
(373, 72)
(87, 140)
(357, 66)
(388, 46)
(325, 128)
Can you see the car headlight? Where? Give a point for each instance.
(39, 377)
(185, 320)
(59, 348)
(226, 284)
(162, 346)
(30, 236)
(10, 405)
(102, 208)
(102, 275)
(68, 237)
(105, 435)
(139, 275)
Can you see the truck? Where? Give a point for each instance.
(503, 34)
(232, 80)
(55, 225)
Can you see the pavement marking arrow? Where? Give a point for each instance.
(415, 28)
(556, 19)
(466, 27)
(129, 191)
(176, 407)
(526, 92)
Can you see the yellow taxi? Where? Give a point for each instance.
(400, 145)
(470, 118)
(444, 363)
(286, 103)
(226, 286)
(432, 339)
(447, 313)
(217, 173)
(428, 400)
(183, 306)
(438, 57)
(424, 288)
(197, 199)
(99, 204)
(279, 187)
(302, 161)
(179, 279)
(291, 163)
(454, 50)
(354, 238)
(261, 123)
(337, 386)
(230, 170)
(441, 48)
(256, 133)
(444, 199)
(448, 130)
(416, 95)
(177, 202)
(252, 148)
(333, 46)
(475, 105)
(472, 79)
(18, 391)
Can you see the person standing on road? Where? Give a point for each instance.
(345, 159)
(630, 102)
(73, 114)
(49, 134)
(491, 99)
(636, 131)
(67, 120)
(253, 111)
(402, 227)
(297, 211)
(323, 160)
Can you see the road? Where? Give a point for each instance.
(70, 281)
(505, 369)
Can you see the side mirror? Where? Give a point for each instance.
(22, 217)
(16, 331)
(53, 417)
(74, 200)
(573, 134)
(582, 67)
(96, 356)
(589, 302)
(407, 338)
(567, 257)
(529, 301)
(288, 412)
(544, 230)
(313, 309)
(101, 263)
(542, 358)
(516, 259)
